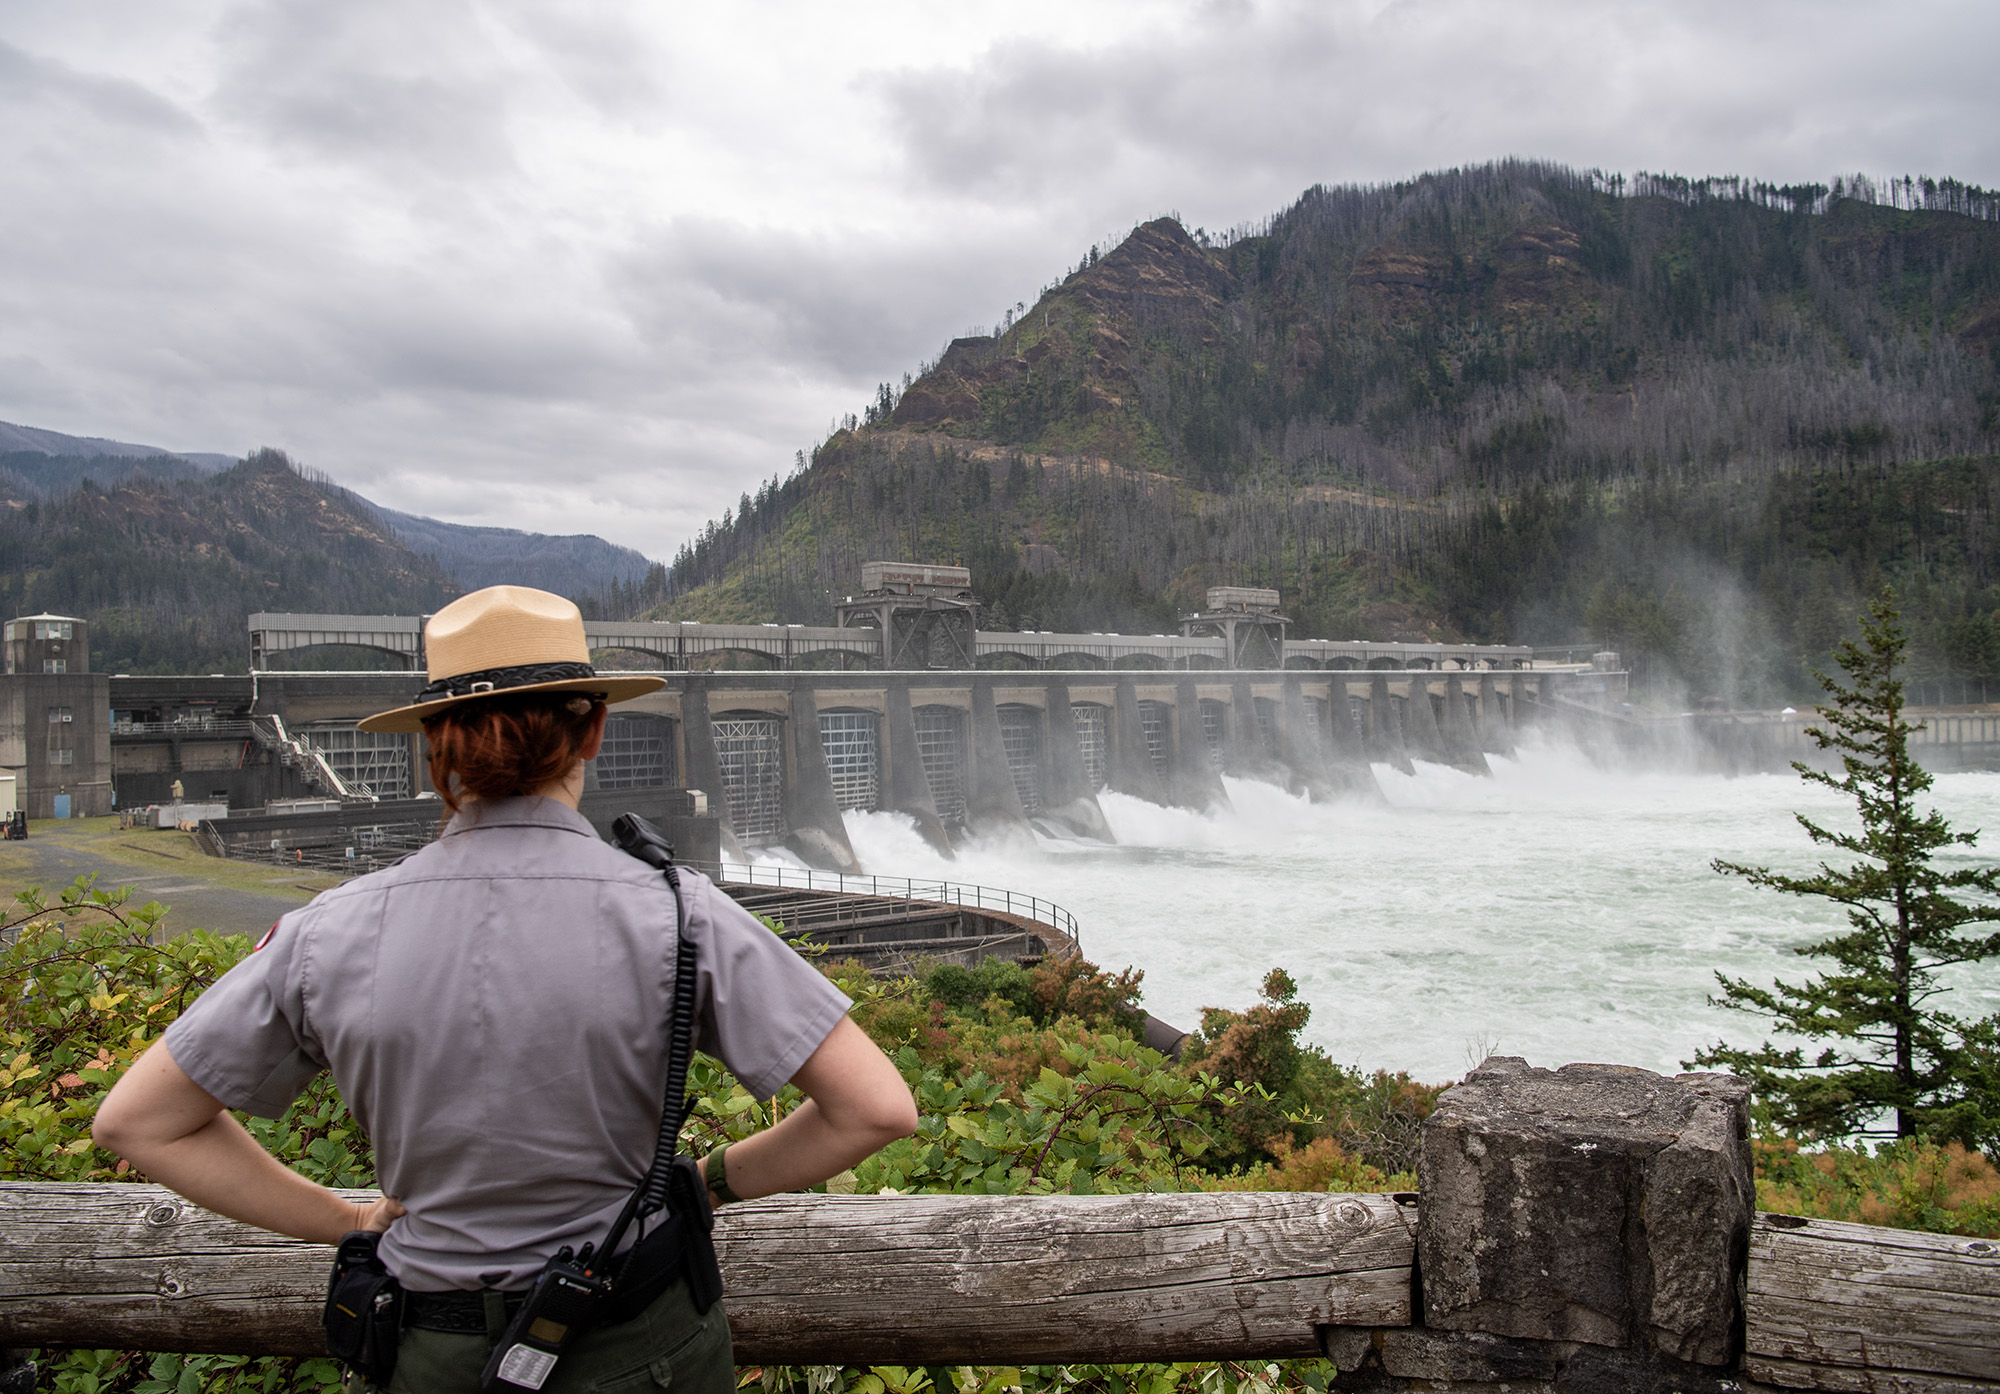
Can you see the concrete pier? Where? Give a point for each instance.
(1496, 736)
(1067, 792)
(1420, 729)
(1299, 746)
(1246, 756)
(909, 792)
(1132, 769)
(1193, 778)
(812, 813)
(1460, 739)
(992, 804)
(1385, 735)
(703, 767)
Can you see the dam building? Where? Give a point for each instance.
(53, 719)
(903, 705)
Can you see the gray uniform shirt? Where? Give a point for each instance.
(495, 1009)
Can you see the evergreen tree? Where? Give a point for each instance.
(1885, 1046)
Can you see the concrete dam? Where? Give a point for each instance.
(907, 706)
(775, 731)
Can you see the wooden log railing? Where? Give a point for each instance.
(812, 1279)
(1581, 1229)
(1854, 1307)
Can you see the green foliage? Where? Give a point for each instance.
(162, 1372)
(1121, 1119)
(1223, 1377)
(1321, 1165)
(1885, 1046)
(1052, 989)
(1911, 1183)
(83, 990)
(957, 986)
(1304, 1116)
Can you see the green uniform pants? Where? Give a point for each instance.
(667, 1346)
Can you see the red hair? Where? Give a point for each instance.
(505, 747)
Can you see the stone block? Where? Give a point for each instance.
(1596, 1203)
(1404, 1360)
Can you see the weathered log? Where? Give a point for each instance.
(1841, 1379)
(812, 1279)
(1852, 1307)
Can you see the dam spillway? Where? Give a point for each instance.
(780, 755)
(904, 705)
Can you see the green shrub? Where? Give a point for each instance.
(1052, 989)
(83, 990)
(1908, 1184)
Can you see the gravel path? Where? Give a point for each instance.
(200, 892)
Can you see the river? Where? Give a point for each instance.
(1559, 910)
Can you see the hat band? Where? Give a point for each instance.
(500, 679)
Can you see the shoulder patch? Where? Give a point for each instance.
(265, 940)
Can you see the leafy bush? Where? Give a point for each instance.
(1379, 1119)
(954, 985)
(1907, 1184)
(1321, 1165)
(1120, 1119)
(1052, 989)
(83, 990)
(1300, 1095)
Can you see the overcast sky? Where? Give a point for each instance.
(602, 266)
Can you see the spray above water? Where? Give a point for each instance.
(1564, 909)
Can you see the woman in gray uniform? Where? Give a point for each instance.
(495, 1009)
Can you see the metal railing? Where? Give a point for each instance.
(190, 729)
(1027, 907)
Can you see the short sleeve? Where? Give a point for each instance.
(245, 1039)
(765, 1009)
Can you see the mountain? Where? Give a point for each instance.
(1694, 420)
(32, 440)
(167, 571)
(576, 564)
(48, 466)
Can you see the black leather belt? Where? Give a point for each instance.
(463, 1312)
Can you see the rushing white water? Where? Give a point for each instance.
(1558, 910)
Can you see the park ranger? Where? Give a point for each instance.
(495, 1010)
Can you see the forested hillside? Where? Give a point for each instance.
(610, 581)
(167, 554)
(1691, 420)
(167, 570)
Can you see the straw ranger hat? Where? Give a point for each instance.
(506, 640)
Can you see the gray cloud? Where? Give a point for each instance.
(369, 82)
(44, 88)
(1232, 111)
(836, 307)
(605, 267)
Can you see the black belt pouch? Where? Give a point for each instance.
(679, 1247)
(364, 1309)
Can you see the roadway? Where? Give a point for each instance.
(199, 891)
